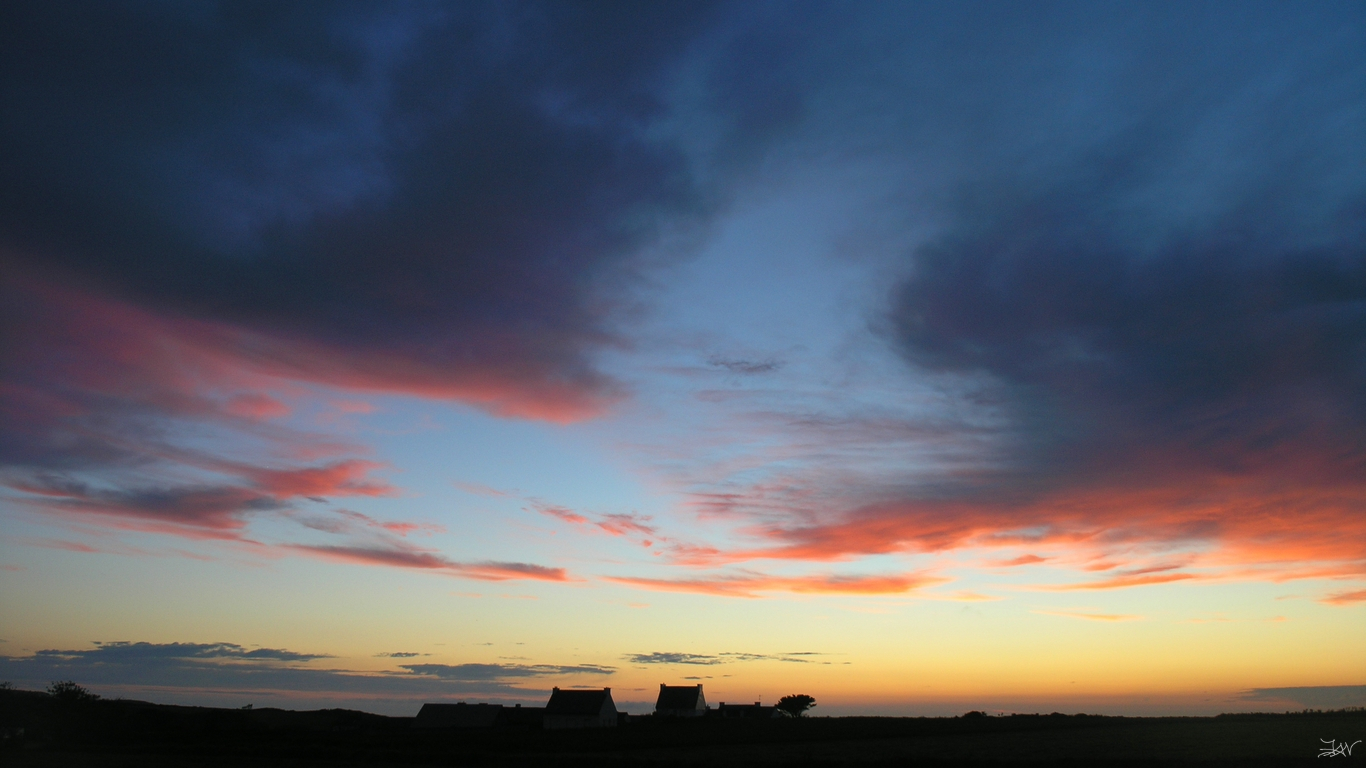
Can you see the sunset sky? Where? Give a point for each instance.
(920, 357)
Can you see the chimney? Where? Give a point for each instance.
(606, 690)
(756, 703)
(556, 690)
(661, 686)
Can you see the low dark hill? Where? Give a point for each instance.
(40, 730)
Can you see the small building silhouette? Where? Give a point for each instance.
(518, 716)
(462, 715)
(580, 709)
(755, 711)
(680, 701)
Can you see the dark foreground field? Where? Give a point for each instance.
(41, 731)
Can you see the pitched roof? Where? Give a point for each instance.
(520, 715)
(457, 715)
(749, 711)
(579, 702)
(679, 697)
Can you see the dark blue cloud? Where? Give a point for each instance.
(1182, 290)
(665, 657)
(1326, 696)
(1141, 229)
(743, 366)
(134, 653)
(197, 669)
(439, 200)
(488, 672)
(1147, 223)
(1136, 266)
(457, 189)
(672, 657)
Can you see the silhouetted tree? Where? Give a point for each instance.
(68, 691)
(796, 704)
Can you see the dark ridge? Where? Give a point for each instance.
(40, 730)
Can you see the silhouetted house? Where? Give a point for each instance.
(580, 709)
(755, 711)
(477, 716)
(460, 715)
(680, 701)
(519, 716)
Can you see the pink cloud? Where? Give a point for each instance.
(1021, 560)
(1242, 526)
(433, 561)
(972, 597)
(1124, 581)
(1345, 598)
(1091, 616)
(256, 405)
(560, 513)
(750, 584)
(613, 524)
(192, 511)
(683, 553)
(402, 528)
(342, 478)
(71, 546)
(622, 524)
(101, 389)
(385, 371)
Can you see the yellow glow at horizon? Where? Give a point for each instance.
(901, 649)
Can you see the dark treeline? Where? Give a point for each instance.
(44, 730)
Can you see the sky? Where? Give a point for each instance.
(919, 357)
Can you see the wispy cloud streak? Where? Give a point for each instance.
(751, 585)
(412, 557)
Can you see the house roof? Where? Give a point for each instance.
(521, 716)
(680, 697)
(457, 715)
(578, 702)
(752, 711)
